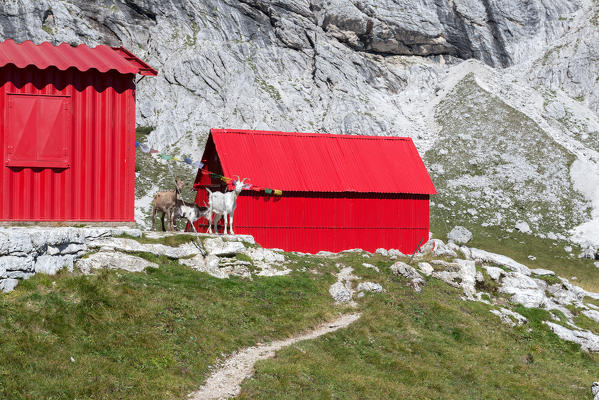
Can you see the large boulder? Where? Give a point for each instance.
(460, 235)
(595, 390)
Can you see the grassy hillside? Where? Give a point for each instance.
(156, 334)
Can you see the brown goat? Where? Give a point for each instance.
(166, 202)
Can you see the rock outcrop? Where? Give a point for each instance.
(368, 67)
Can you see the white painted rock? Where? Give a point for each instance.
(369, 287)
(50, 265)
(595, 390)
(113, 260)
(459, 234)
(8, 285)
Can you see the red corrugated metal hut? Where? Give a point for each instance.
(339, 191)
(67, 132)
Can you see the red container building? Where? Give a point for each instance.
(67, 132)
(339, 191)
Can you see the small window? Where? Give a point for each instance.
(38, 131)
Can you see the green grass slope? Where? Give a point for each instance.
(156, 335)
(430, 345)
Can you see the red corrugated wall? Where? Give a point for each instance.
(98, 184)
(310, 222)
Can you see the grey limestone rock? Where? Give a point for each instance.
(50, 265)
(483, 256)
(460, 235)
(8, 285)
(17, 263)
(595, 390)
(408, 272)
(587, 340)
(132, 245)
(524, 290)
(369, 287)
(509, 317)
(523, 227)
(340, 292)
(425, 268)
(382, 252)
(494, 272)
(219, 247)
(370, 266)
(113, 260)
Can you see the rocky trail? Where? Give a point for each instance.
(225, 382)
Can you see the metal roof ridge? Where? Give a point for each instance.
(309, 134)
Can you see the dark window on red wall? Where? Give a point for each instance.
(38, 131)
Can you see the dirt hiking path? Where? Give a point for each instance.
(225, 382)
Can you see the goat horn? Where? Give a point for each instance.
(245, 179)
(237, 177)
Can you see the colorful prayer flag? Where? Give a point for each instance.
(278, 192)
(154, 151)
(188, 160)
(165, 156)
(197, 164)
(268, 191)
(137, 144)
(144, 147)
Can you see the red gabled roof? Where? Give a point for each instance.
(102, 58)
(323, 162)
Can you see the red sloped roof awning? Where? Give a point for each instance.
(318, 162)
(64, 56)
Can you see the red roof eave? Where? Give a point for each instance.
(64, 56)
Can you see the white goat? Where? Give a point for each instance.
(223, 204)
(191, 212)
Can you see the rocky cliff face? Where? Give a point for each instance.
(385, 67)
